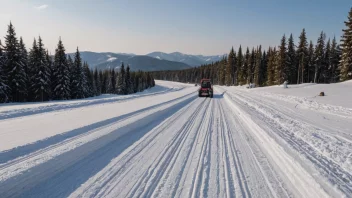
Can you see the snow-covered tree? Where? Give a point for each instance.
(319, 56)
(14, 66)
(129, 83)
(40, 70)
(77, 81)
(121, 82)
(61, 74)
(4, 89)
(345, 66)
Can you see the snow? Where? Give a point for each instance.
(111, 59)
(158, 57)
(167, 142)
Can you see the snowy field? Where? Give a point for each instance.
(167, 142)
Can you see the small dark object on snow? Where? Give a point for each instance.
(322, 94)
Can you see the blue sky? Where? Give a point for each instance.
(205, 27)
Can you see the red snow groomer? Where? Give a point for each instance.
(206, 88)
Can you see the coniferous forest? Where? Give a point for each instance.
(302, 62)
(37, 76)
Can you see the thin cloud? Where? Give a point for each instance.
(41, 7)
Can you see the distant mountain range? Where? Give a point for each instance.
(192, 60)
(155, 61)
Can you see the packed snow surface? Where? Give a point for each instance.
(168, 142)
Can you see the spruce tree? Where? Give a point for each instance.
(281, 66)
(302, 57)
(334, 58)
(263, 76)
(61, 75)
(97, 82)
(326, 67)
(345, 65)
(319, 57)
(251, 67)
(77, 83)
(88, 80)
(40, 73)
(246, 64)
(4, 89)
(258, 67)
(14, 67)
(24, 60)
(271, 66)
(310, 69)
(239, 66)
(291, 69)
(128, 81)
(121, 82)
(230, 68)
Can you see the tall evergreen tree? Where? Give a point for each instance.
(291, 69)
(4, 89)
(61, 75)
(334, 58)
(310, 64)
(239, 66)
(264, 70)
(112, 86)
(271, 66)
(345, 66)
(88, 81)
(128, 81)
(258, 67)
(97, 82)
(121, 82)
(24, 60)
(77, 84)
(14, 67)
(40, 74)
(230, 68)
(246, 64)
(282, 66)
(319, 57)
(251, 67)
(326, 67)
(302, 57)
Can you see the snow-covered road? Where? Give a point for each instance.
(170, 143)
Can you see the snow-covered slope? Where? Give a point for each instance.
(167, 142)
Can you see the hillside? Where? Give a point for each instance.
(108, 60)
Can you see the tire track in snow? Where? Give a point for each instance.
(151, 178)
(326, 166)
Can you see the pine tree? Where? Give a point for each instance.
(251, 66)
(326, 67)
(112, 82)
(319, 57)
(24, 60)
(4, 89)
(40, 73)
(291, 69)
(246, 64)
(271, 66)
(302, 57)
(263, 74)
(334, 58)
(230, 68)
(121, 82)
(128, 81)
(345, 65)
(77, 83)
(61, 75)
(282, 66)
(97, 82)
(310, 69)
(239, 66)
(88, 80)
(258, 67)
(14, 67)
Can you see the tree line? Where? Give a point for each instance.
(37, 76)
(326, 62)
